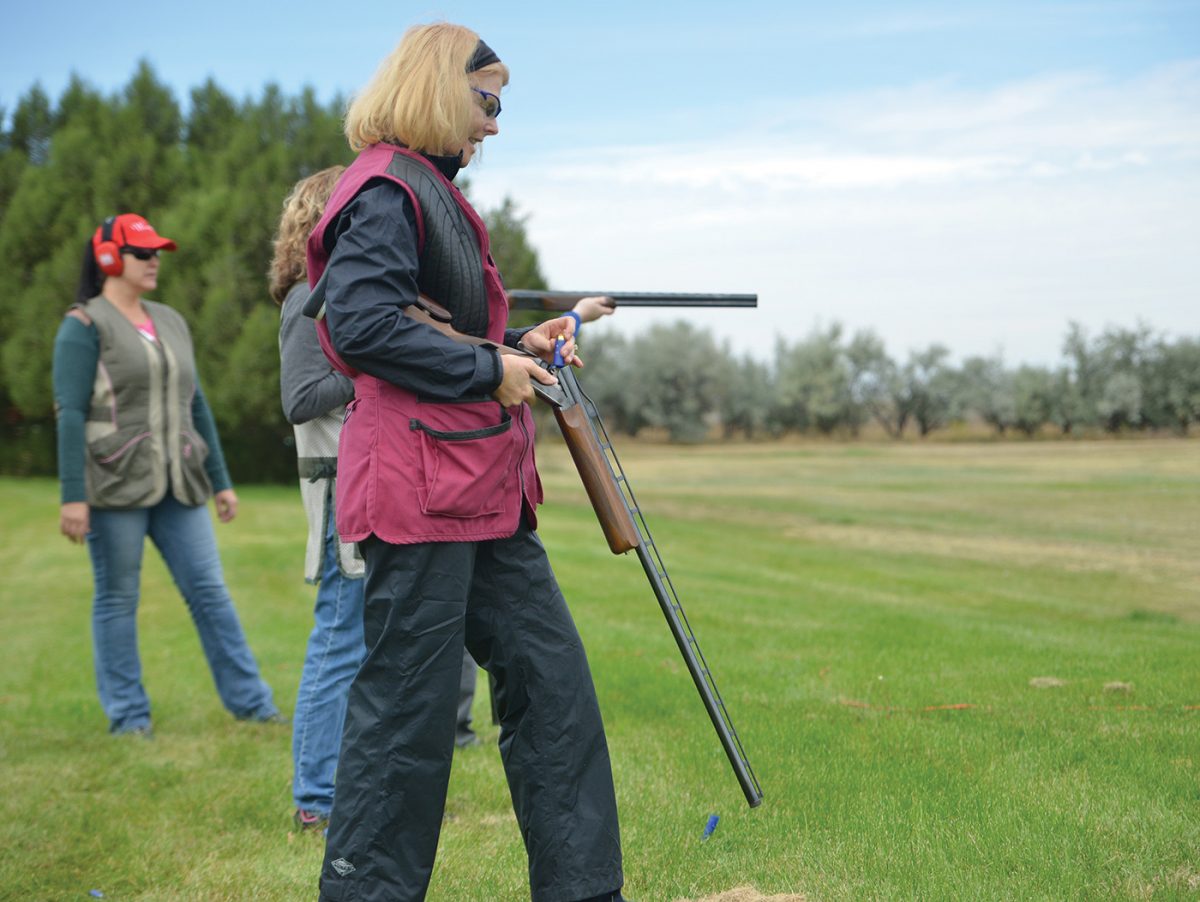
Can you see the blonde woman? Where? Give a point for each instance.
(437, 484)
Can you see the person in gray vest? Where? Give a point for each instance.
(138, 456)
(314, 400)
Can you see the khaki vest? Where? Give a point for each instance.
(140, 436)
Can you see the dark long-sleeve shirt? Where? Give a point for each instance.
(371, 276)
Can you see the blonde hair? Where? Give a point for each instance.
(421, 94)
(302, 210)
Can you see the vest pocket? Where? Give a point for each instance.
(193, 452)
(466, 473)
(121, 468)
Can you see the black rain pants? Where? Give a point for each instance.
(421, 603)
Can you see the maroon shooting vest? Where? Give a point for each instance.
(415, 470)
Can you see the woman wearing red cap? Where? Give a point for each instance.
(438, 485)
(138, 456)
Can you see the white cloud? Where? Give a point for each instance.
(983, 220)
(732, 171)
(1049, 114)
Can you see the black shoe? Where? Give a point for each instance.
(467, 740)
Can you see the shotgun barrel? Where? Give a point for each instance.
(560, 301)
(631, 529)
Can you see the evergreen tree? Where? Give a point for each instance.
(33, 124)
(514, 256)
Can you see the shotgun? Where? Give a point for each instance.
(622, 522)
(562, 301)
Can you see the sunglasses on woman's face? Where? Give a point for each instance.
(490, 103)
(142, 253)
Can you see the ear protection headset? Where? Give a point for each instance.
(106, 250)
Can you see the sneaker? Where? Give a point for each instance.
(143, 731)
(310, 820)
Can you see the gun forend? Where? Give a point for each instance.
(604, 493)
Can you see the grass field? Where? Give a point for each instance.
(960, 672)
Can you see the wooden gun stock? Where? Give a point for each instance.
(607, 502)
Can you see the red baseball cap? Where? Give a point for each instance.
(131, 230)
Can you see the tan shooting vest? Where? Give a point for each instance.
(139, 432)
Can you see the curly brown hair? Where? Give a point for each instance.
(302, 210)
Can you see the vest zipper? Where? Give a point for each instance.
(165, 433)
(524, 450)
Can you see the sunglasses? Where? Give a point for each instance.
(490, 103)
(142, 253)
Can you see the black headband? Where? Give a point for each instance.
(483, 56)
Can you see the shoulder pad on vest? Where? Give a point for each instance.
(451, 258)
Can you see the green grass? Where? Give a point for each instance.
(845, 597)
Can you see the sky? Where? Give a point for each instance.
(974, 174)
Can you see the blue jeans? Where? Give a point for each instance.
(335, 649)
(184, 537)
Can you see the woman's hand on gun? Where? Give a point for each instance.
(554, 334)
(519, 374)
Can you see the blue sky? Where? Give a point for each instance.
(975, 174)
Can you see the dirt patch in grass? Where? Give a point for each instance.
(497, 820)
(1046, 682)
(747, 894)
(1080, 557)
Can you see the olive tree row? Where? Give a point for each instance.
(1121, 380)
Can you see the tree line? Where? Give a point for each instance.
(1122, 380)
(213, 175)
(212, 178)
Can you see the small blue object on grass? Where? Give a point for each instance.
(96, 894)
(710, 827)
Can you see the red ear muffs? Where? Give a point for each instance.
(107, 251)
